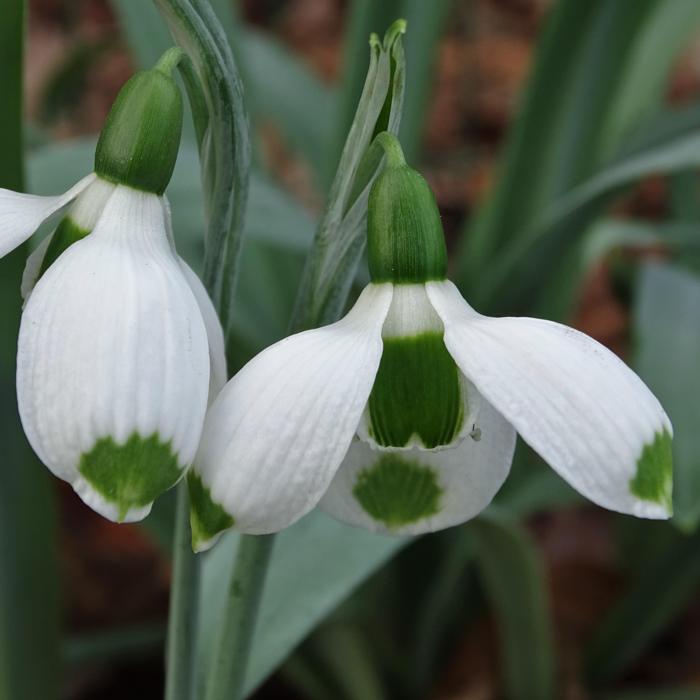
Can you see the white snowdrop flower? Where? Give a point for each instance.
(402, 417)
(113, 362)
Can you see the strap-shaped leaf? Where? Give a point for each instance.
(29, 603)
(216, 97)
(655, 597)
(599, 72)
(670, 147)
(667, 354)
(514, 582)
(318, 562)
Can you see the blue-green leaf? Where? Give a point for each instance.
(667, 333)
(515, 584)
(317, 563)
(29, 598)
(520, 269)
(598, 75)
(659, 591)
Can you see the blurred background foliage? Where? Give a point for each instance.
(562, 139)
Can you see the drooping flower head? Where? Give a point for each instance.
(402, 417)
(113, 364)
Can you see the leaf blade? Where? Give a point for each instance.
(29, 602)
(667, 307)
(511, 571)
(306, 581)
(653, 599)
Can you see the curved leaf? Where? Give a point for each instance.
(583, 97)
(318, 562)
(659, 593)
(518, 272)
(514, 582)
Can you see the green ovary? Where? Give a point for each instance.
(397, 491)
(654, 478)
(416, 392)
(207, 518)
(132, 474)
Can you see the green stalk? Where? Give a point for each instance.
(315, 305)
(216, 97)
(182, 618)
(228, 668)
(193, 19)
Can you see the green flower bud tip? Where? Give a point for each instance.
(139, 142)
(405, 240)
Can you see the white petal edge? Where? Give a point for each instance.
(218, 372)
(572, 400)
(32, 267)
(113, 342)
(22, 214)
(469, 475)
(277, 433)
(95, 500)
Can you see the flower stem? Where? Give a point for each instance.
(170, 60)
(392, 148)
(227, 674)
(182, 619)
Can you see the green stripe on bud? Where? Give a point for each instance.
(416, 393)
(654, 478)
(207, 518)
(405, 240)
(397, 491)
(139, 142)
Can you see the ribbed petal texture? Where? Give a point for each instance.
(571, 399)
(112, 345)
(277, 433)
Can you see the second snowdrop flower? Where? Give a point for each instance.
(114, 350)
(402, 417)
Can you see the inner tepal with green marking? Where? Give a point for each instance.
(398, 491)
(418, 398)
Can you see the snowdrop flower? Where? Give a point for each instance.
(113, 363)
(402, 417)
